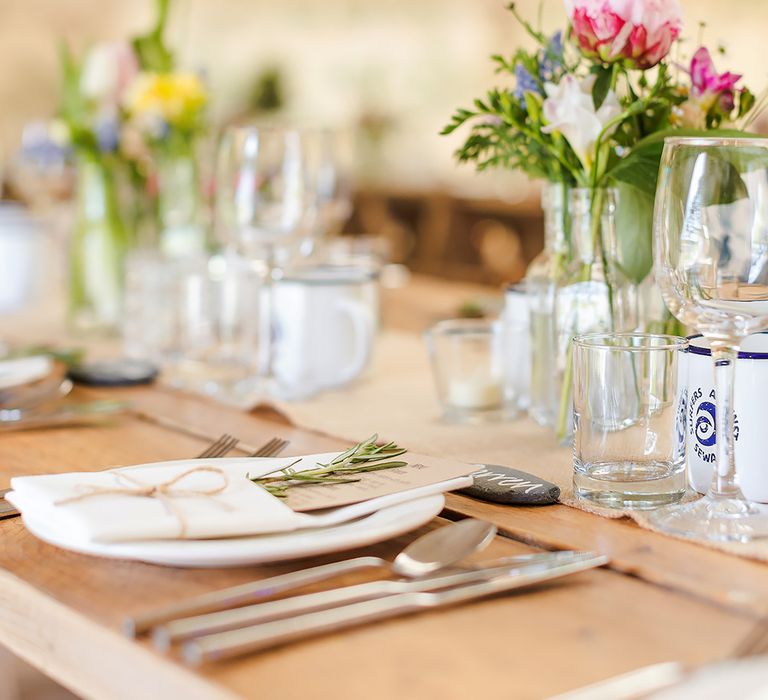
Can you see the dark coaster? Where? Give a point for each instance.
(120, 372)
(510, 486)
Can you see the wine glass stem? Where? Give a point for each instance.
(724, 478)
(266, 315)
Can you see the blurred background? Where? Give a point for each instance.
(391, 72)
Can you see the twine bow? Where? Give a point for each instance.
(164, 492)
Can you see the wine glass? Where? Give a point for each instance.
(329, 164)
(711, 261)
(262, 205)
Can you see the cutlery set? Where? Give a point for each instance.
(245, 619)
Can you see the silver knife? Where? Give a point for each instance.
(225, 645)
(18, 419)
(195, 626)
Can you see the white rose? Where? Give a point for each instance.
(107, 70)
(569, 109)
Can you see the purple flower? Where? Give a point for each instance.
(38, 146)
(107, 134)
(525, 83)
(551, 58)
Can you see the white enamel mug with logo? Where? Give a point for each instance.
(751, 427)
(325, 322)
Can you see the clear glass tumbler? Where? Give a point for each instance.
(629, 419)
(468, 362)
(216, 329)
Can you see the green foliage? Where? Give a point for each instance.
(150, 48)
(634, 224)
(603, 78)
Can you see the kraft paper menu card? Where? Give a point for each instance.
(420, 471)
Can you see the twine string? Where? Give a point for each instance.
(165, 492)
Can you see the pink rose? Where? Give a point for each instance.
(639, 32)
(707, 84)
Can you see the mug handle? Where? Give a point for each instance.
(363, 330)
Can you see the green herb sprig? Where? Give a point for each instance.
(366, 456)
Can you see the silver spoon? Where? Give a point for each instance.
(436, 550)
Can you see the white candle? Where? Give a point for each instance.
(475, 393)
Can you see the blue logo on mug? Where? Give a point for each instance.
(702, 424)
(681, 422)
(705, 423)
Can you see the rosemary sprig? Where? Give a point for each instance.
(366, 456)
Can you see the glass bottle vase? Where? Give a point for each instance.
(180, 228)
(544, 276)
(586, 297)
(98, 247)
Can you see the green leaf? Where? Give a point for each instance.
(640, 167)
(602, 84)
(746, 102)
(634, 229)
(533, 105)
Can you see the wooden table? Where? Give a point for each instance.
(659, 599)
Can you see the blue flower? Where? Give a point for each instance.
(551, 58)
(525, 83)
(107, 135)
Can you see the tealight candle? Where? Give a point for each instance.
(469, 363)
(475, 393)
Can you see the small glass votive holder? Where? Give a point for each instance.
(469, 368)
(629, 419)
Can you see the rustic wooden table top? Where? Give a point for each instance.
(658, 600)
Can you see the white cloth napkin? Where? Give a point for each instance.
(23, 370)
(242, 508)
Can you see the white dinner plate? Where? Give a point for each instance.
(23, 370)
(242, 551)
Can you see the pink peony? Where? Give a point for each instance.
(707, 84)
(639, 32)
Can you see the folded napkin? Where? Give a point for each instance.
(196, 499)
(23, 370)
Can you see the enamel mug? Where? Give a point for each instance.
(750, 429)
(325, 320)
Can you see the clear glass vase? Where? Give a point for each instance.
(544, 276)
(181, 232)
(586, 300)
(98, 247)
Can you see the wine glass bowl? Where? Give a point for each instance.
(329, 158)
(711, 262)
(712, 242)
(263, 203)
(263, 194)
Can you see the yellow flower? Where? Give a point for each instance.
(175, 98)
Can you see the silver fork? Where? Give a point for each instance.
(271, 448)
